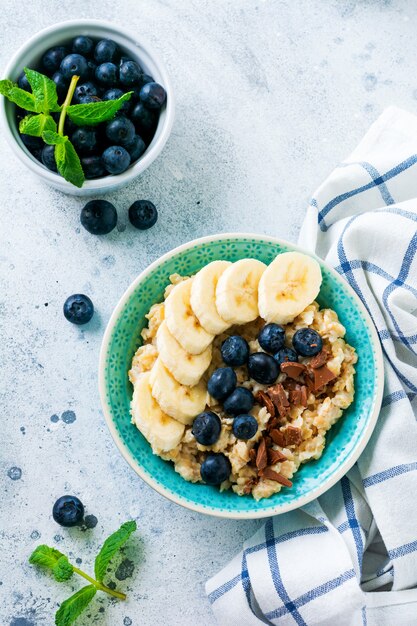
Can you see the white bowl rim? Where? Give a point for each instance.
(274, 510)
(106, 183)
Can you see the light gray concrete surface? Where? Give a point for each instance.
(271, 95)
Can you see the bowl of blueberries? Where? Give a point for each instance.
(126, 117)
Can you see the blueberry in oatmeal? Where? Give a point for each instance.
(244, 427)
(286, 354)
(215, 469)
(271, 338)
(221, 383)
(206, 428)
(235, 350)
(240, 401)
(263, 368)
(307, 342)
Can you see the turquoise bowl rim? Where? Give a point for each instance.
(274, 509)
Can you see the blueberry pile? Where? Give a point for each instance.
(264, 367)
(106, 73)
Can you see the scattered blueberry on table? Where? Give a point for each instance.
(68, 511)
(143, 214)
(78, 309)
(99, 217)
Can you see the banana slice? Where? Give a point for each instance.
(179, 401)
(162, 432)
(186, 368)
(289, 284)
(237, 291)
(203, 297)
(182, 322)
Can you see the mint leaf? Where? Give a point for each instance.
(68, 163)
(35, 125)
(96, 112)
(20, 97)
(44, 91)
(72, 608)
(63, 569)
(110, 547)
(52, 138)
(45, 556)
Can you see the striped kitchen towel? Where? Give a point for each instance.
(350, 557)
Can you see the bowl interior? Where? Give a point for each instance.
(343, 439)
(30, 55)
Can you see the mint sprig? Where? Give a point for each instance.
(62, 570)
(39, 122)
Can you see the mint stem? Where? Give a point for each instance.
(66, 104)
(116, 594)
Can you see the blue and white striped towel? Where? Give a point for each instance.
(350, 557)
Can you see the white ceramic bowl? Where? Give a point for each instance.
(30, 54)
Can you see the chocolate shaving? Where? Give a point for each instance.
(293, 436)
(273, 423)
(320, 359)
(293, 369)
(304, 395)
(278, 437)
(252, 455)
(266, 401)
(248, 486)
(270, 474)
(322, 376)
(279, 398)
(261, 455)
(295, 396)
(276, 456)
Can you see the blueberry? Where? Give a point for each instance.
(244, 427)
(215, 468)
(116, 159)
(106, 50)
(235, 350)
(106, 74)
(23, 82)
(130, 73)
(271, 338)
(32, 143)
(241, 400)
(84, 139)
(206, 428)
(153, 95)
(120, 131)
(92, 166)
(68, 511)
(78, 309)
(48, 158)
(286, 354)
(145, 78)
(61, 84)
(53, 58)
(136, 148)
(221, 383)
(74, 65)
(91, 69)
(86, 89)
(307, 342)
(143, 214)
(82, 45)
(99, 217)
(263, 368)
(143, 118)
(115, 94)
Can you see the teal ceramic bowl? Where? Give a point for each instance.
(345, 441)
